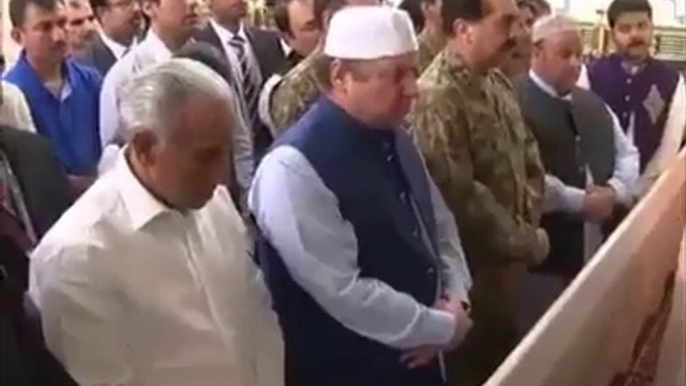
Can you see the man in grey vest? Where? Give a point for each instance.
(591, 166)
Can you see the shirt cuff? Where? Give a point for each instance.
(439, 327)
(574, 199)
(624, 196)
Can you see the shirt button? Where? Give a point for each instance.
(403, 197)
(389, 158)
(628, 81)
(415, 233)
(627, 98)
(430, 271)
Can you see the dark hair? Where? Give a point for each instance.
(528, 4)
(17, 9)
(98, 5)
(281, 17)
(619, 7)
(326, 8)
(451, 10)
(414, 9)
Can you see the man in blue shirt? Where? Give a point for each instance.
(63, 95)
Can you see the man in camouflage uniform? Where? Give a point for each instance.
(486, 163)
(299, 88)
(432, 39)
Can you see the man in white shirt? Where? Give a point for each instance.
(171, 28)
(120, 22)
(146, 279)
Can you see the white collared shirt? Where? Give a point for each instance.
(117, 49)
(151, 51)
(132, 292)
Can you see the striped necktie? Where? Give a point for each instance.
(250, 91)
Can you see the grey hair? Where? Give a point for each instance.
(550, 25)
(151, 99)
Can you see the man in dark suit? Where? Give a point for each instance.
(120, 22)
(300, 29)
(34, 182)
(254, 54)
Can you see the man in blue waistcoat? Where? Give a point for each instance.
(361, 255)
(62, 95)
(647, 95)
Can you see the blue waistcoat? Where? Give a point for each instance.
(69, 122)
(374, 174)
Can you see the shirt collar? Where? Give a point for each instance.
(225, 35)
(546, 87)
(285, 47)
(141, 206)
(117, 49)
(30, 73)
(156, 47)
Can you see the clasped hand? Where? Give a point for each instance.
(423, 355)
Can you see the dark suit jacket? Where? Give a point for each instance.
(97, 55)
(271, 60)
(45, 185)
(266, 45)
(24, 358)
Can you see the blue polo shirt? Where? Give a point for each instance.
(70, 121)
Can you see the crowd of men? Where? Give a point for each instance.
(355, 199)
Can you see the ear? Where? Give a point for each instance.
(463, 29)
(145, 146)
(148, 7)
(17, 35)
(336, 74)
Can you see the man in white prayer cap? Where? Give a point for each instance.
(361, 255)
(145, 281)
(591, 166)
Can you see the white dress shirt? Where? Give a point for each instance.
(149, 52)
(570, 199)
(133, 293)
(672, 137)
(117, 49)
(14, 110)
(299, 216)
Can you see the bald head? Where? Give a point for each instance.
(557, 51)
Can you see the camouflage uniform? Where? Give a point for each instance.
(296, 92)
(429, 47)
(486, 163)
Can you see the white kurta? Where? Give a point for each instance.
(134, 293)
(14, 110)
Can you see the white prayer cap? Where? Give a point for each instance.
(369, 32)
(550, 25)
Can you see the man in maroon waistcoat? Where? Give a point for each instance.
(647, 95)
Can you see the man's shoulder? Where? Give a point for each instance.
(85, 73)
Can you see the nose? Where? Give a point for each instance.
(59, 34)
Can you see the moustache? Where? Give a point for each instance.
(637, 43)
